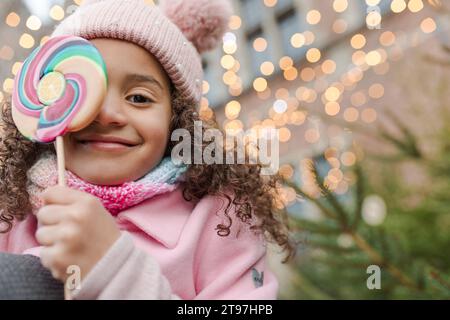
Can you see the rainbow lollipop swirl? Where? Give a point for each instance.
(51, 95)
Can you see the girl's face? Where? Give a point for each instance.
(129, 136)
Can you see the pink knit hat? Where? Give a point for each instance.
(176, 32)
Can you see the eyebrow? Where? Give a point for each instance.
(143, 78)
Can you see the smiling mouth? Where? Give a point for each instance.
(106, 144)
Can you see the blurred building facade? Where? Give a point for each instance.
(316, 70)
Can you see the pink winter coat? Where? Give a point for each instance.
(169, 249)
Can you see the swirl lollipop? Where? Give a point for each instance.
(59, 89)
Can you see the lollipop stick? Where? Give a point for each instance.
(62, 183)
(61, 161)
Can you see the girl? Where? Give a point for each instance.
(134, 224)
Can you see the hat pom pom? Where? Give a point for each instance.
(203, 22)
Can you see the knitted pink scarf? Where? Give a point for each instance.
(163, 178)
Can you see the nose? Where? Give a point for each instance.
(111, 113)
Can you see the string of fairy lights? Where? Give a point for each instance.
(285, 107)
(318, 81)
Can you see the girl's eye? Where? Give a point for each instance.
(139, 99)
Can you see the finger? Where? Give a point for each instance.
(51, 214)
(47, 235)
(61, 195)
(49, 260)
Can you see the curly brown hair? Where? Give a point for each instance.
(18, 154)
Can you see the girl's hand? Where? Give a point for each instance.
(75, 229)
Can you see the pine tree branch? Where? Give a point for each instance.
(339, 263)
(435, 60)
(313, 226)
(331, 198)
(317, 202)
(331, 247)
(379, 260)
(309, 288)
(409, 144)
(341, 217)
(437, 277)
(360, 193)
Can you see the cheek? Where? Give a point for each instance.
(156, 134)
(154, 129)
